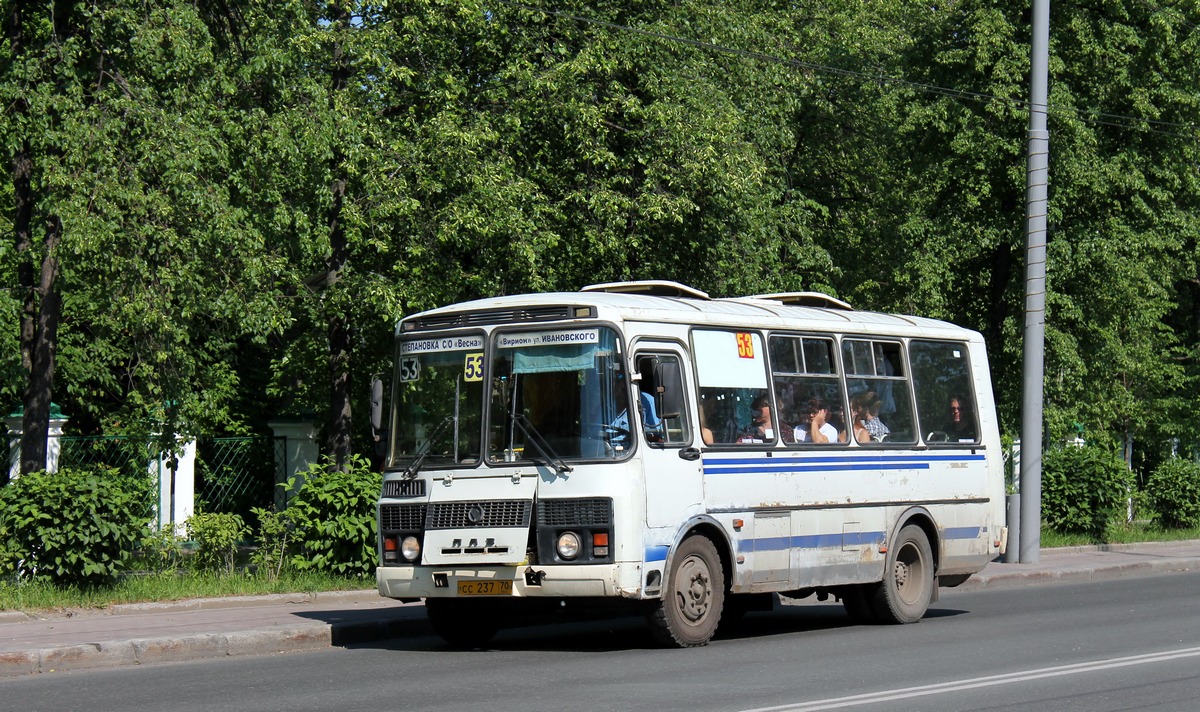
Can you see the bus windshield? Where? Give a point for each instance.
(558, 395)
(438, 419)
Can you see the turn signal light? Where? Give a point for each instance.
(599, 544)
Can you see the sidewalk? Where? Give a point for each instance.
(136, 634)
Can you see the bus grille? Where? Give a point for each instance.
(499, 513)
(402, 517)
(404, 488)
(574, 512)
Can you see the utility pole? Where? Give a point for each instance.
(1037, 173)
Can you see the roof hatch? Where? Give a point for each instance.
(805, 299)
(650, 288)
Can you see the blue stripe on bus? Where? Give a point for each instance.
(818, 541)
(656, 553)
(830, 541)
(765, 465)
(721, 470)
(847, 458)
(962, 532)
(812, 541)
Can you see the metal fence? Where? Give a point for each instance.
(128, 455)
(235, 475)
(136, 458)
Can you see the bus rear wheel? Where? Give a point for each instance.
(690, 609)
(463, 624)
(908, 578)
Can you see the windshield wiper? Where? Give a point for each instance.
(533, 436)
(412, 470)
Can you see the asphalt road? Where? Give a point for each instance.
(1111, 645)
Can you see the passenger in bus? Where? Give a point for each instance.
(962, 425)
(837, 420)
(813, 426)
(873, 424)
(787, 431)
(762, 428)
(651, 423)
(859, 412)
(707, 415)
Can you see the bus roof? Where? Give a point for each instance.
(791, 311)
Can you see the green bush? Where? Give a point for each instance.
(1084, 489)
(334, 517)
(162, 551)
(274, 535)
(216, 537)
(73, 527)
(1174, 489)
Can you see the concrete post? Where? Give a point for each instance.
(1012, 555)
(53, 442)
(301, 451)
(13, 421)
(176, 473)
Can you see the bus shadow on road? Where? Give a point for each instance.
(614, 632)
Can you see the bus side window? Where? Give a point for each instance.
(664, 418)
(945, 398)
(808, 392)
(731, 370)
(878, 386)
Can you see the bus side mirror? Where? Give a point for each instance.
(669, 398)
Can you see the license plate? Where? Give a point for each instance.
(485, 588)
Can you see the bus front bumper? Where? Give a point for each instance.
(599, 580)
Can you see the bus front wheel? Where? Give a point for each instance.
(688, 613)
(908, 578)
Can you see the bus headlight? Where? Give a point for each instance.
(568, 545)
(410, 548)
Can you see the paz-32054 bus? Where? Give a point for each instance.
(693, 456)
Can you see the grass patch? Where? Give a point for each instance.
(41, 595)
(1136, 533)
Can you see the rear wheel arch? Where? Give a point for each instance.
(921, 517)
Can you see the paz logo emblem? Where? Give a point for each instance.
(475, 514)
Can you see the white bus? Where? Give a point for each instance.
(641, 441)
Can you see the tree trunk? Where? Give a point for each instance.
(339, 397)
(43, 306)
(340, 327)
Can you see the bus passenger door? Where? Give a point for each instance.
(668, 452)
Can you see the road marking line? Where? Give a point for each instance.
(989, 681)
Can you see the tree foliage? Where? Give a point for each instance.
(246, 195)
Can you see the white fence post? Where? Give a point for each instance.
(15, 424)
(14, 444)
(176, 485)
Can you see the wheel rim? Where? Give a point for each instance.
(909, 574)
(693, 589)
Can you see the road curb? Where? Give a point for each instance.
(144, 651)
(1013, 578)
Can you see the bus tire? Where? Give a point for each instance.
(690, 609)
(463, 624)
(908, 578)
(858, 600)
